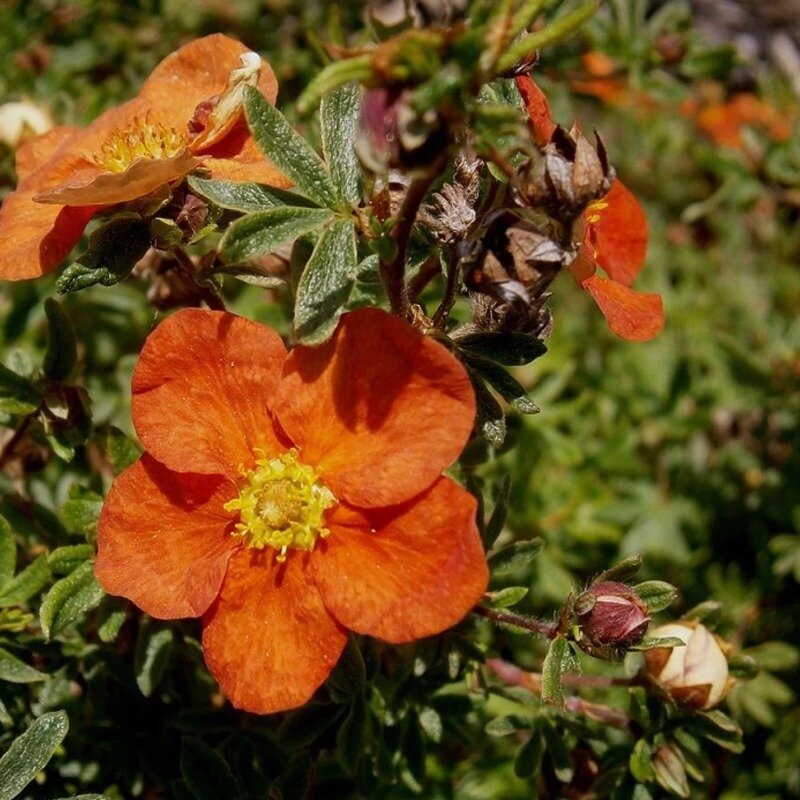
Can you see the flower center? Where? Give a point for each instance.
(281, 505)
(142, 140)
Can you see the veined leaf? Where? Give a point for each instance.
(8, 552)
(326, 283)
(263, 231)
(25, 585)
(246, 197)
(339, 113)
(289, 151)
(15, 671)
(69, 598)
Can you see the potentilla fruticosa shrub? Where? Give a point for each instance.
(313, 495)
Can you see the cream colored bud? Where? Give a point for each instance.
(696, 675)
(20, 120)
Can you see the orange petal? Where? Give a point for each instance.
(417, 573)
(632, 315)
(379, 409)
(269, 640)
(163, 539)
(196, 72)
(36, 238)
(34, 152)
(109, 188)
(616, 233)
(201, 391)
(538, 109)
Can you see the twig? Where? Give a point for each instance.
(393, 272)
(208, 295)
(547, 629)
(7, 450)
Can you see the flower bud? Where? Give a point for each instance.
(18, 121)
(610, 613)
(696, 676)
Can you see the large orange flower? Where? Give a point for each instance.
(185, 116)
(286, 498)
(615, 240)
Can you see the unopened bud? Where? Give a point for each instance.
(696, 676)
(610, 614)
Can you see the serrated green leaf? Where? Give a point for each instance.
(30, 752)
(153, 648)
(15, 671)
(326, 283)
(25, 584)
(69, 598)
(246, 197)
(205, 772)
(509, 349)
(508, 387)
(65, 559)
(339, 114)
(61, 355)
(552, 669)
(113, 250)
(505, 598)
(289, 151)
(656, 595)
(352, 735)
(8, 552)
(263, 232)
(515, 557)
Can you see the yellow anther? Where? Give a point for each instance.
(281, 504)
(143, 140)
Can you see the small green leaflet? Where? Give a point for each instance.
(339, 114)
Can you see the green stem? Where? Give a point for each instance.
(547, 629)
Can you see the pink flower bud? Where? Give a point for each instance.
(696, 676)
(611, 614)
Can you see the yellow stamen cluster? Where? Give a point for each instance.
(594, 209)
(143, 140)
(281, 505)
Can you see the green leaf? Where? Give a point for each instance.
(246, 197)
(263, 232)
(505, 598)
(430, 720)
(350, 675)
(651, 642)
(559, 753)
(497, 520)
(640, 761)
(554, 666)
(153, 648)
(508, 387)
(121, 449)
(508, 724)
(304, 726)
(622, 571)
(669, 770)
(509, 349)
(352, 735)
(708, 612)
(339, 113)
(8, 552)
(289, 151)
(69, 598)
(30, 752)
(489, 418)
(515, 557)
(656, 595)
(62, 343)
(15, 671)
(205, 772)
(113, 620)
(743, 667)
(775, 656)
(17, 394)
(529, 756)
(326, 283)
(65, 559)
(80, 512)
(25, 584)
(113, 250)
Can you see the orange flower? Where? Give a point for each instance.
(185, 116)
(615, 240)
(724, 122)
(286, 498)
